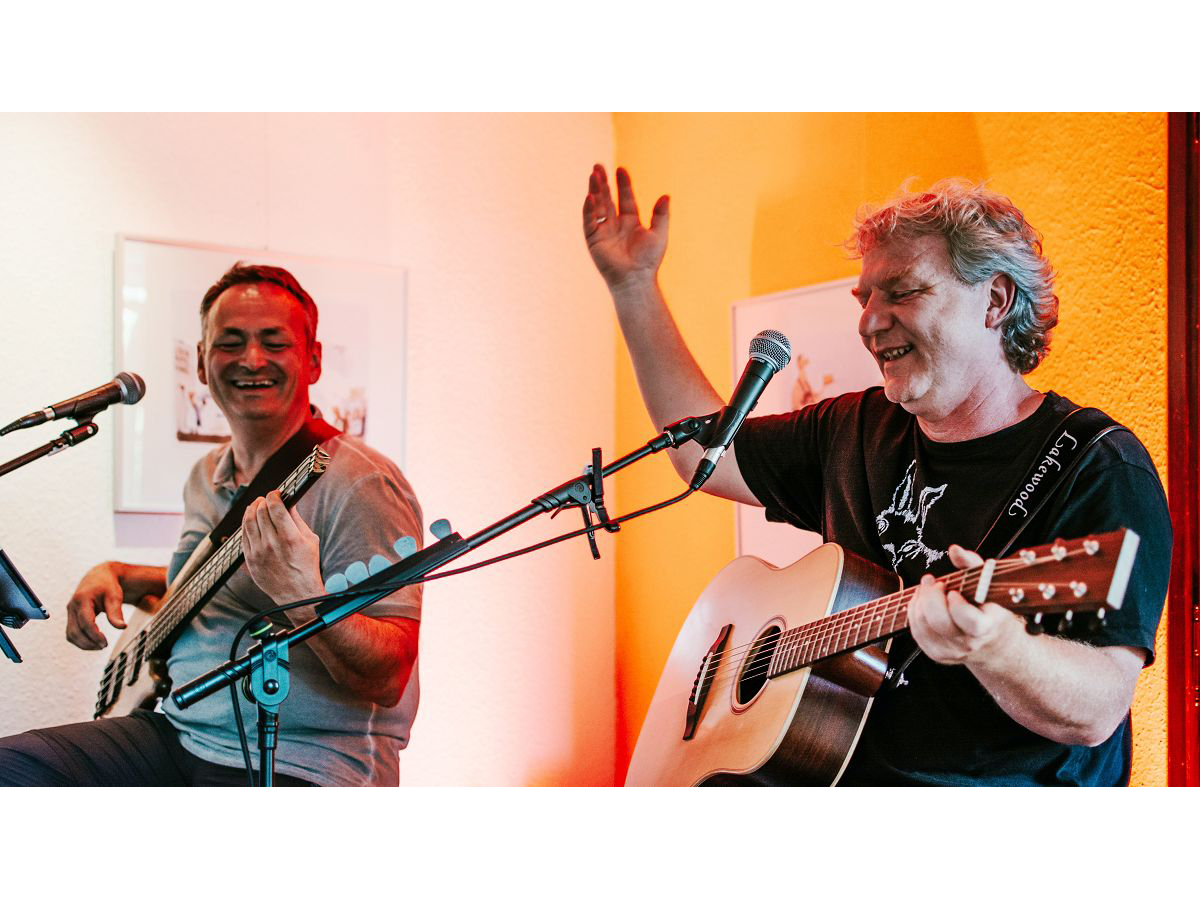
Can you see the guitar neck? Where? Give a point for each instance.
(182, 602)
(1087, 575)
(853, 628)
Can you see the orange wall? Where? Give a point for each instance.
(761, 202)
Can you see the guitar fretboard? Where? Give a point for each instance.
(856, 627)
(183, 600)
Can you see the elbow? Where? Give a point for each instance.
(1092, 733)
(387, 698)
(385, 691)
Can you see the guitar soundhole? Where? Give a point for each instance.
(753, 676)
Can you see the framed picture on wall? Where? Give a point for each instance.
(159, 286)
(828, 359)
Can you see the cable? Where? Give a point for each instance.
(391, 587)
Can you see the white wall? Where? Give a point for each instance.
(510, 384)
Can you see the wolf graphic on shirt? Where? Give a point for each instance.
(902, 524)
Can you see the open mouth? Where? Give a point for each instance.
(893, 353)
(250, 385)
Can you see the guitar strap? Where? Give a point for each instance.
(284, 460)
(1068, 444)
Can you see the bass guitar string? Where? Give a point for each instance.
(192, 591)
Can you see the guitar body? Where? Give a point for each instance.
(771, 678)
(135, 678)
(797, 728)
(141, 685)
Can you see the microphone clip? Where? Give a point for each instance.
(595, 479)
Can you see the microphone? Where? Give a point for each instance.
(126, 388)
(770, 354)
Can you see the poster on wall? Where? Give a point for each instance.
(159, 286)
(828, 359)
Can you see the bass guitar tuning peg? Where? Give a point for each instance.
(405, 547)
(440, 528)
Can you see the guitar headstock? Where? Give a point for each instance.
(313, 466)
(1066, 577)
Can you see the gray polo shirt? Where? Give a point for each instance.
(359, 507)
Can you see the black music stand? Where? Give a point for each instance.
(18, 604)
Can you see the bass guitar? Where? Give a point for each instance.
(772, 675)
(146, 641)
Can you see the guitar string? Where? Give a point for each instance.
(813, 648)
(189, 594)
(841, 622)
(886, 603)
(817, 640)
(807, 637)
(802, 637)
(823, 627)
(769, 649)
(816, 636)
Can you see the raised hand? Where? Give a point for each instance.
(624, 251)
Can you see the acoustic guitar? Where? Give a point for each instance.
(146, 641)
(772, 675)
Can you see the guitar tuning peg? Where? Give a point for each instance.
(376, 564)
(405, 547)
(1059, 551)
(440, 528)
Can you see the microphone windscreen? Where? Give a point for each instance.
(132, 387)
(771, 347)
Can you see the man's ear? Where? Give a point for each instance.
(200, 363)
(1002, 293)
(315, 371)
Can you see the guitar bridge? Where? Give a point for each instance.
(704, 679)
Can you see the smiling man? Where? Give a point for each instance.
(957, 307)
(354, 687)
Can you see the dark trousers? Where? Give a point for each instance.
(137, 750)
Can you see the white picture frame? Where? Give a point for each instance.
(158, 288)
(828, 359)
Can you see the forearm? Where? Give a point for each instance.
(671, 382)
(371, 657)
(1066, 691)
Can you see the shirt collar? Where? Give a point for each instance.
(223, 470)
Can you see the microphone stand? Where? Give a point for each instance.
(83, 429)
(267, 660)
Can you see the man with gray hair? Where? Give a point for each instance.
(957, 306)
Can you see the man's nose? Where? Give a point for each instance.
(875, 317)
(252, 356)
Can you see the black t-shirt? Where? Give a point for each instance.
(858, 470)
